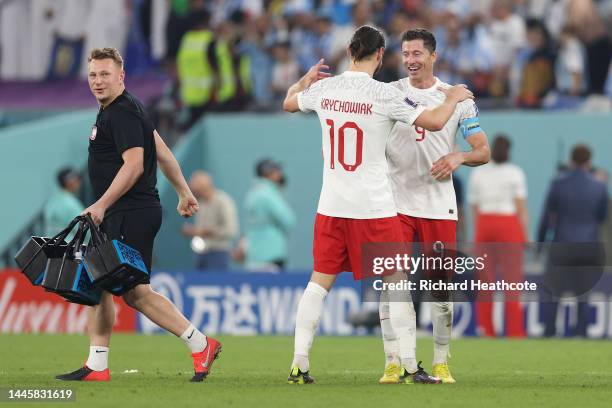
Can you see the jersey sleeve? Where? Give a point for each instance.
(127, 131)
(400, 107)
(469, 123)
(309, 97)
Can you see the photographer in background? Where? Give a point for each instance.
(64, 205)
(269, 219)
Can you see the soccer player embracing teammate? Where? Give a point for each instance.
(421, 163)
(356, 206)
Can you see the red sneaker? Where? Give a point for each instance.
(202, 361)
(85, 374)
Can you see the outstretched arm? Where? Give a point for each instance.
(290, 104)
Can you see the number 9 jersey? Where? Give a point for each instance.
(356, 114)
(413, 150)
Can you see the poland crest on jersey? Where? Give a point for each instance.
(94, 132)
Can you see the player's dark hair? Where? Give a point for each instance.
(365, 42)
(581, 154)
(429, 41)
(500, 151)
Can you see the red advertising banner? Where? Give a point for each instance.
(25, 308)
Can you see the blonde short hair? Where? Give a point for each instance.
(106, 53)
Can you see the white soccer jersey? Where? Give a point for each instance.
(357, 114)
(412, 151)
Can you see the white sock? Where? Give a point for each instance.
(403, 322)
(306, 323)
(442, 319)
(390, 343)
(194, 339)
(301, 361)
(98, 358)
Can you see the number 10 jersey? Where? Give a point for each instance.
(356, 114)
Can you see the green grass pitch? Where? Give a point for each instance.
(253, 370)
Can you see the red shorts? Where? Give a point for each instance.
(337, 241)
(428, 230)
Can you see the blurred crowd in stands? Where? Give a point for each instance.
(228, 55)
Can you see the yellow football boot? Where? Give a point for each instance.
(391, 375)
(297, 376)
(442, 372)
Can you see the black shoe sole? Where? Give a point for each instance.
(77, 375)
(296, 381)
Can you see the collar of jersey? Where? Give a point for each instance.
(355, 73)
(430, 89)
